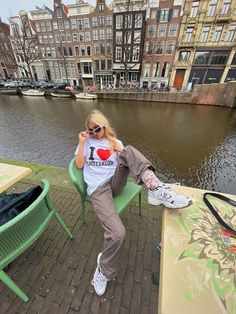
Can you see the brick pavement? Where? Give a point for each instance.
(56, 272)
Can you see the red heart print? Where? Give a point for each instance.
(103, 154)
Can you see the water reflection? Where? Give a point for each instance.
(191, 144)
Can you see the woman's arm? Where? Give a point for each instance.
(80, 158)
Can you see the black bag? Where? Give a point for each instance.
(214, 212)
(12, 205)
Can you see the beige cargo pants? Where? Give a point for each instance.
(131, 161)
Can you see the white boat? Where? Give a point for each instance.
(60, 95)
(32, 92)
(86, 96)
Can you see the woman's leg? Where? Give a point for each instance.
(114, 234)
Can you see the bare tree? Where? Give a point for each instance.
(25, 44)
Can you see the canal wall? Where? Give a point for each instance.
(206, 94)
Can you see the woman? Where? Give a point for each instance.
(106, 166)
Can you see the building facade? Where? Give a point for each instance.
(205, 52)
(162, 29)
(128, 34)
(8, 66)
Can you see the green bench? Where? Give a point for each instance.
(21, 232)
(121, 201)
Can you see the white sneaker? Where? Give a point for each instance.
(170, 199)
(99, 282)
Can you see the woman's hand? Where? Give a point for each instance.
(83, 136)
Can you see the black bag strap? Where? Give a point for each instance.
(215, 213)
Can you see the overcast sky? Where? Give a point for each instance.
(12, 7)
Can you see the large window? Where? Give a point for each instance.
(188, 35)
(155, 69)
(86, 67)
(164, 15)
(119, 38)
(101, 20)
(165, 69)
(225, 7)
(96, 49)
(217, 35)
(159, 48)
(102, 34)
(94, 21)
(119, 21)
(194, 9)
(151, 31)
(138, 20)
(173, 29)
(219, 57)
(149, 47)
(161, 30)
(205, 34)
(202, 57)
(230, 36)
(118, 53)
(95, 34)
(184, 55)
(147, 70)
(170, 47)
(137, 37)
(109, 33)
(136, 52)
(109, 19)
(86, 23)
(128, 21)
(212, 8)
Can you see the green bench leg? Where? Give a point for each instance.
(10, 283)
(140, 204)
(61, 222)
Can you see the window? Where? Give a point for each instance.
(109, 19)
(231, 33)
(101, 7)
(155, 69)
(153, 15)
(109, 65)
(128, 21)
(234, 59)
(202, 57)
(50, 39)
(57, 38)
(70, 51)
(94, 21)
(119, 21)
(175, 12)
(161, 30)
(170, 47)
(205, 34)
(194, 9)
(102, 34)
(86, 67)
(86, 23)
(63, 39)
(219, 57)
(138, 20)
(97, 67)
(37, 25)
(76, 51)
(102, 20)
(73, 23)
(217, 35)
(137, 37)
(48, 52)
(55, 25)
(87, 36)
(164, 15)
(75, 37)
(48, 26)
(61, 26)
(65, 51)
(80, 24)
(226, 6)
(68, 38)
(151, 31)
(184, 55)
(109, 49)
(88, 50)
(136, 53)
(43, 27)
(67, 24)
(102, 48)
(58, 13)
(149, 47)
(109, 33)
(212, 8)
(95, 34)
(159, 48)
(81, 36)
(127, 54)
(173, 29)
(119, 38)
(118, 53)
(165, 69)
(188, 35)
(53, 51)
(127, 37)
(147, 70)
(40, 39)
(96, 49)
(82, 50)
(103, 65)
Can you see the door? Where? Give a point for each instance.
(179, 78)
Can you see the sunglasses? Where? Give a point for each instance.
(95, 130)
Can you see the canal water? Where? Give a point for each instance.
(195, 145)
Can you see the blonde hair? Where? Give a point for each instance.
(97, 117)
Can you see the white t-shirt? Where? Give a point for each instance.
(99, 165)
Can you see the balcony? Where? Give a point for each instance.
(223, 18)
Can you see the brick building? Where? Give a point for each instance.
(8, 66)
(162, 28)
(206, 49)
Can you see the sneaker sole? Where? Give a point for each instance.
(154, 201)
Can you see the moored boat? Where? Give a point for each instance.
(32, 92)
(8, 91)
(86, 96)
(60, 95)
